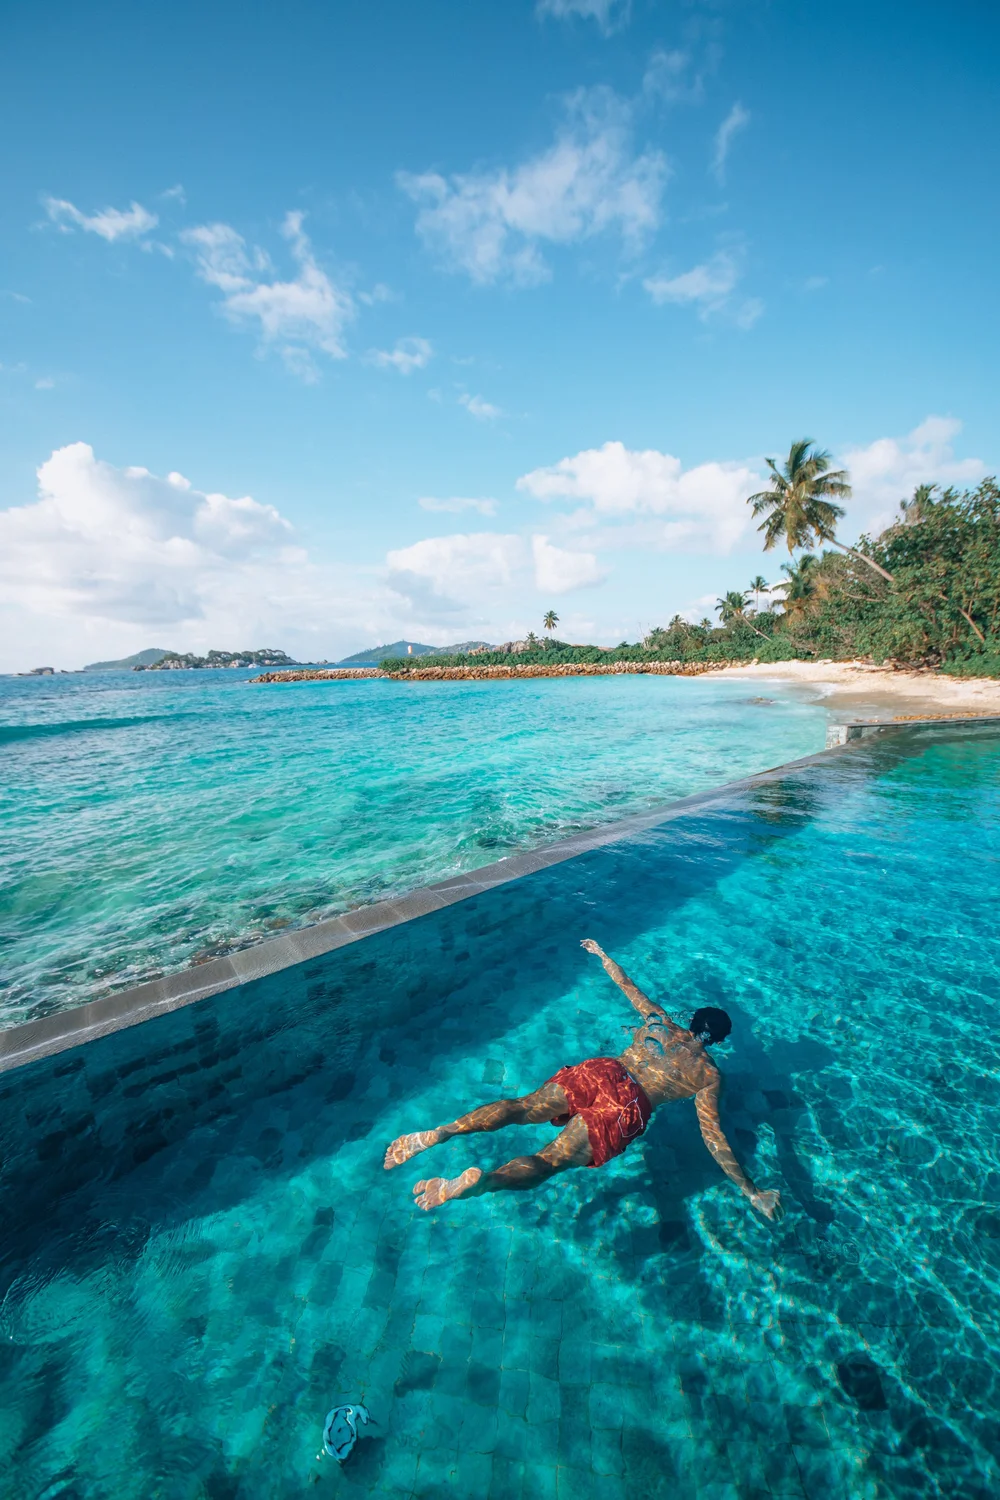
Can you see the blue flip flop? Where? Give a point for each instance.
(340, 1431)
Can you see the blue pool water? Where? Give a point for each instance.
(202, 1253)
(149, 820)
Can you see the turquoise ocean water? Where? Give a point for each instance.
(202, 1253)
(151, 819)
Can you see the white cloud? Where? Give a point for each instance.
(104, 544)
(175, 194)
(408, 355)
(456, 505)
(609, 14)
(474, 575)
(558, 571)
(702, 508)
(109, 223)
(447, 575)
(483, 411)
(379, 293)
(666, 77)
(708, 285)
(737, 119)
(490, 224)
(295, 317)
(44, 383)
(888, 470)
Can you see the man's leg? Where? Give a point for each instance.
(571, 1148)
(546, 1103)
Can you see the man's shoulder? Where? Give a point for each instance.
(709, 1075)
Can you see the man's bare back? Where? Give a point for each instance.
(601, 1105)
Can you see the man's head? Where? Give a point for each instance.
(710, 1024)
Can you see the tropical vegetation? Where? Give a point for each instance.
(925, 591)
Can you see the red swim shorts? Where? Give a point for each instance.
(610, 1103)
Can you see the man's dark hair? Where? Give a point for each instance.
(710, 1024)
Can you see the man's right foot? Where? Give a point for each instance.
(406, 1146)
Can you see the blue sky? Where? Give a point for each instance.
(326, 324)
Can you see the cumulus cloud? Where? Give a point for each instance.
(483, 411)
(490, 224)
(296, 317)
(107, 544)
(888, 470)
(558, 570)
(702, 508)
(445, 575)
(408, 355)
(737, 119)
(109, 223)
(456, 505)
(477, 574)
(609, 14)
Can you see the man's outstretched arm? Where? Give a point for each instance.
(706, 1102)
(642, 1002)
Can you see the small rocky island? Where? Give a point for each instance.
(176, 661)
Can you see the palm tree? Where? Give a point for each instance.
(732, 606)
(801, 585)
(705, 624)
(550, 620)
(758, 586)
(797, 504)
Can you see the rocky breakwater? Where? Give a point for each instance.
(560, 669)
(317, 674)
(516, 669)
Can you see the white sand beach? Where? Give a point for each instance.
(865, 691)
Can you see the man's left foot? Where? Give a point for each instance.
(406, 1146)
(438, 1190)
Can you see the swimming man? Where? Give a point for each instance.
(604, 1104)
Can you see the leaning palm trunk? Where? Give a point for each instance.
(859, 556)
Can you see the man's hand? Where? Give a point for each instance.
(769, 1204)
(592, 947)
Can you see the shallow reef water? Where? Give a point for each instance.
(202, 1254)
(151, 820)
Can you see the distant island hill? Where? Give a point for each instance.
(153, 659)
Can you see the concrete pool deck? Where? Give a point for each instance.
(48, 1035)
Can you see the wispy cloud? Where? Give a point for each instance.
(457, 504)
(17, 297)
(668, 76)
(609, 14)
(175, 194)
(709, 287)
(296, 317)
(737, 119)
(109, 223)
(708, 284)
(490, 225)
(483, 411)
(409, 355)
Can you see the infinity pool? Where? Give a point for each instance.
(202, 1253)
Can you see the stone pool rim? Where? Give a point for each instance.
(46, 1036)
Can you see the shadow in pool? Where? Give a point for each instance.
(92, 1135)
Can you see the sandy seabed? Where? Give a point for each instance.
(865, 691)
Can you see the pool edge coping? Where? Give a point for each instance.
(47, 1036)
